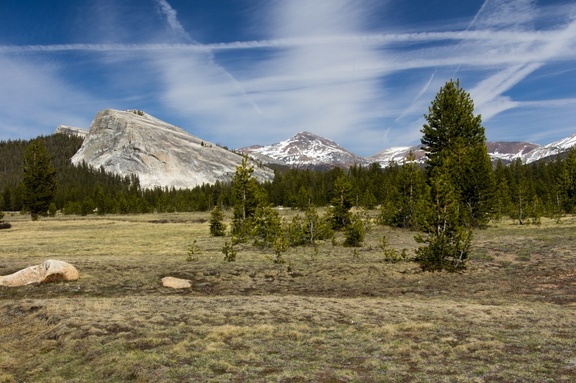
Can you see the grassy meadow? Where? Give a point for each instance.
(338, 315)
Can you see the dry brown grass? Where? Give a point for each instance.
(334, 317)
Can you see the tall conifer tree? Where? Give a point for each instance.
(39, 182)
(460, 176)
(454, 134)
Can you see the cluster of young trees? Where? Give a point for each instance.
(254, 218)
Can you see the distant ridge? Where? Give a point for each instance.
(309, 150)
(161, 154)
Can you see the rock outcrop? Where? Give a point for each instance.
(48, 271)
(160, 154)
(71, 131)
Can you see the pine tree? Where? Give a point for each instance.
(449, 240)
(460, 177)
(217, 225)
(266, 226)
(502, 196)
(39, 181)
(413, 195)
(341, 202)
(354, 231)
(521, 195)
(247, 197)
(566, 181)
(453, 133)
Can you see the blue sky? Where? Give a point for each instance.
(242, 72)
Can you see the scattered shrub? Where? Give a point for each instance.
(392, 255)
(229, 251)
(354, 232)
(193, 252)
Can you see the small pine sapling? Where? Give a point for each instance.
(193, 252)
(280, 246)
(217, 225)
(229, 251)
(391, 255)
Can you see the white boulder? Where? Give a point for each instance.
(48, 271)
(176, 283)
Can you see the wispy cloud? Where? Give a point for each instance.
(378, 39)
(317, 67)
(172, 19)
(34, 101)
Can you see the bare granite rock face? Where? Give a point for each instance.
(160, 154)
(48, 271)
(71, 131)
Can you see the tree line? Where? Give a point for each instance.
(523, 192)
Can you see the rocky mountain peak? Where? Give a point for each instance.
(306, 149)
(160, 154)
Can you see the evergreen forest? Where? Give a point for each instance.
(523, 192)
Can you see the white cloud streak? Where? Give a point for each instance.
(318, 68)
(172, 19)
(509, 37)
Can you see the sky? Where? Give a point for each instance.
(243, 72)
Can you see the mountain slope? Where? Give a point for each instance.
(500, 150)
(397, 155)
(550, 150)
(306, 149)
(309, 150)
(71, 131)
(160, 154)
(510, 151)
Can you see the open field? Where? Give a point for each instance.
(338, 316)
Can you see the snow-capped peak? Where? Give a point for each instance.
(305, 149)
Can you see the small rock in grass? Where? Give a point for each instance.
(176, 283)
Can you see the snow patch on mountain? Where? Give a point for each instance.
(551, 149)
(307, 149)
(396, 155)
(510, 151)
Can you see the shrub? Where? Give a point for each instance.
(354, 232)
(229, 251)
(193, 251)
(390, 254)
(266, 226)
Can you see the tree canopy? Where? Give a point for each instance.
(454, 139)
